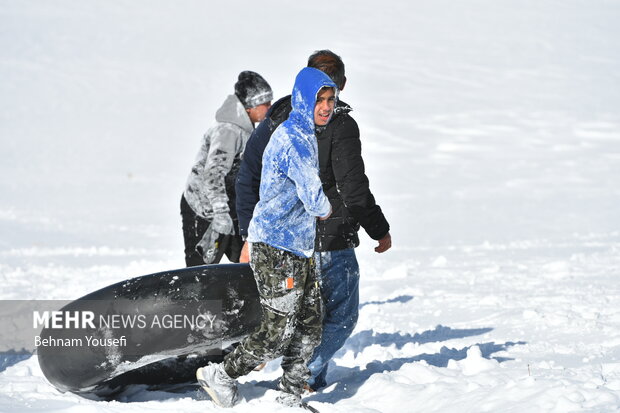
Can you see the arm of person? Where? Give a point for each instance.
(247, 186)
(225, 144)
(194, 188)
(305, 174)
(353, 186)
(385, 243)
(244, 257)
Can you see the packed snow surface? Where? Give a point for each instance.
(491, 135)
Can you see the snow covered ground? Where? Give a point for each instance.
(491, 133)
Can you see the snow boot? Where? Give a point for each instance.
(289, 399)
(293, 400)
(220, 386)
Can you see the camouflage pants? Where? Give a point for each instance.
(292, 317)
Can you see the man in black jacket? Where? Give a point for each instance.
(346, 185)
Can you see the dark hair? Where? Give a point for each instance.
(329, 63)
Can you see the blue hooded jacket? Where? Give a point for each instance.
(291, 193)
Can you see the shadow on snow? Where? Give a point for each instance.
(399, 299)
(349, 379)
(11, 357)
(367, 338)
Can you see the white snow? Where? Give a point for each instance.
(491, 134)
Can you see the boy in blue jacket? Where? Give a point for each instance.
(347, 187)
(282, 233)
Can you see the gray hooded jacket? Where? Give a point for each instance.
(220, 154)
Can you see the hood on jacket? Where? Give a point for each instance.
(232, 111)
(308, 83)
(291, 193)
(279, 111)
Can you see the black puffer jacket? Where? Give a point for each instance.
(342, 174)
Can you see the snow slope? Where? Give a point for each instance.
(491, 136)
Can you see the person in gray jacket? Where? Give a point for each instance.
(208, 202)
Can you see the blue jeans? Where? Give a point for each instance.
(339, 273)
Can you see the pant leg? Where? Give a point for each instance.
(194, 228)
(306, 337)
(280, 306)
(339, 275)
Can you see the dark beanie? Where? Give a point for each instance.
(252, 90)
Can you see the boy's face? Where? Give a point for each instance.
(324, 106)
(258, 113)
